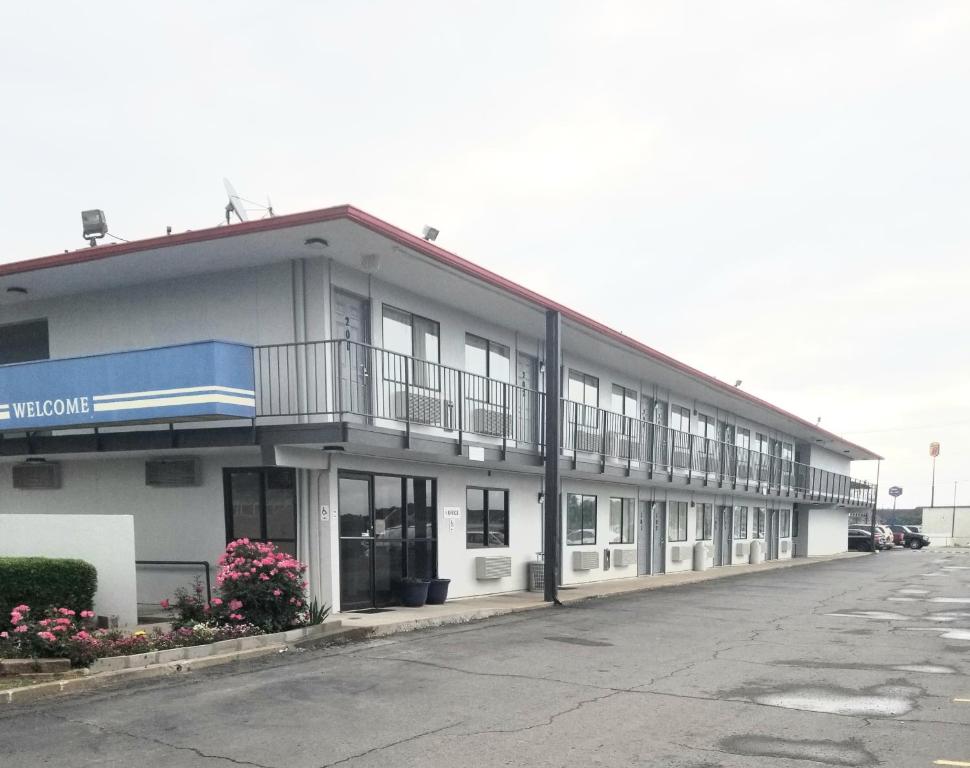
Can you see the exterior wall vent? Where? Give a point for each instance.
(37, 475)
(492, 567)
(173, 473)
(623, 557)
(586, 561)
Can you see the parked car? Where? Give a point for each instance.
(888, 536)
(899, 531)
(862, 539)
(913, 539)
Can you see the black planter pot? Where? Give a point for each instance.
(414, 594)
(438, 591)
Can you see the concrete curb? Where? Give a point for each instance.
(182, 660)
(172, 662)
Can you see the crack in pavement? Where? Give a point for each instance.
(549, 721)
(153, 740)
(392, 744)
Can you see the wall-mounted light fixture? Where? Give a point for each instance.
(316, 243)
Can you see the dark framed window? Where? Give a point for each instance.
(758, 526)
(740, 522)
(487, 517)
(24, 342)
(784, 523)
(680, 418)
(624, 401)
(622, 521)
(489, 360)
(405, 333)
(261, 505)
(677, 521)
(580, 519)
(704, 525)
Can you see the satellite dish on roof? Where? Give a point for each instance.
(235, 204)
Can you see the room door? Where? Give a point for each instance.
(658, 559)
(526, 399)
(771, 535)
(644, 532)
(351, 324)
(723, 522)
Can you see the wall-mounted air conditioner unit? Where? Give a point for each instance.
(586, 561)
(174, 472)
(741, 549)
(785, 545)
(37, 475)
(492, 567)
(622, 557)
(681, 552)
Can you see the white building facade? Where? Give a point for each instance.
(375, 404)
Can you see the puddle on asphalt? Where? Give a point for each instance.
(921, 668)
(878, 615)
(913, 591)
(847, 753)
(874, 701)
(835, 702)
(928, 669)
(950, 600)
(946, 634)
(580, 641)
(904, 599)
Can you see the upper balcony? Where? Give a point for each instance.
(282, 385)
(343, 380)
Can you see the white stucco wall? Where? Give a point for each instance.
(169, 523)
(105, 541)
(827, 531)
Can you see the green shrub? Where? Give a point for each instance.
(46, 582)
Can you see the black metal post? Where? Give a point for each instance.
(875, 503)
(551, 546)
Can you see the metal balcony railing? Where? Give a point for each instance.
(336, 380)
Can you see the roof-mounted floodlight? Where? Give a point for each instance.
(95, 225)
(430, 234)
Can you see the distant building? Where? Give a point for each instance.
(946, 525)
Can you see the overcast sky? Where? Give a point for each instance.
(771, 191)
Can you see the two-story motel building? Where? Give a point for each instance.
(375, 403)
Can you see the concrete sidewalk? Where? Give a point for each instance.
(467, 609)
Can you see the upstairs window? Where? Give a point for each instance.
(414, 336)
(24, 342)
(584, 389)
(489, 360)
(624, 401)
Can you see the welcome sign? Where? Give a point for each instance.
(203, 380)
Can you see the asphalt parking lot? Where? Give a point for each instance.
(852, 662)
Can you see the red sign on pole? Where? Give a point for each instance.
(934, 449)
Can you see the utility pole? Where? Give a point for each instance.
(551, 543)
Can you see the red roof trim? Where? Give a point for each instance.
(418, 244)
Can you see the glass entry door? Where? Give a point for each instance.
(387, 532)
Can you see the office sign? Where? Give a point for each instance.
(934, 449)
(204, 380)
(895, 491)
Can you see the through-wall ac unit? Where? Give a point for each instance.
(740, 549)
(588, 440)
(784, 546)
(586, 561)
(423, 409)
(622, 557)
(37, 475)
(488, 421)
(618, 445)
(175, 472)
(681, 552)
(492, 567)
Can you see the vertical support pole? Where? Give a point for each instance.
(460, 405)
(551, 511)
(875, 502)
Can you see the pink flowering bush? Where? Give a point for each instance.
(55, 633)
(64, 633)
(261, 585)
